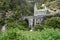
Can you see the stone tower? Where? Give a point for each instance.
(35, 9)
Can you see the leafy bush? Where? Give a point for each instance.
(10, 35)
(53, 22)
(22, 25)
(50, 34)
(38, 27)
(16, 34)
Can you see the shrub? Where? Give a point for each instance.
(10, 35)
(38, 27)
(50, 34)
(53, 22)
(46, 34)
(22, 25)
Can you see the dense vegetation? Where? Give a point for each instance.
(17, 29)
(46, 34)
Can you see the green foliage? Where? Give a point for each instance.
(10, 35)
(48, 17)
(16, 34)
(22, 25)
(50, 34)
(2, 21)
(53, 22)
(49, 22)
(14, 27)
(38, 27)
(17, 5)
(14, 22)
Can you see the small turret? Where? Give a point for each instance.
(35, 9)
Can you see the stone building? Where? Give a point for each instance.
(38, 16)
(39, 13)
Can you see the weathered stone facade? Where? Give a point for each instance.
(38, 16)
